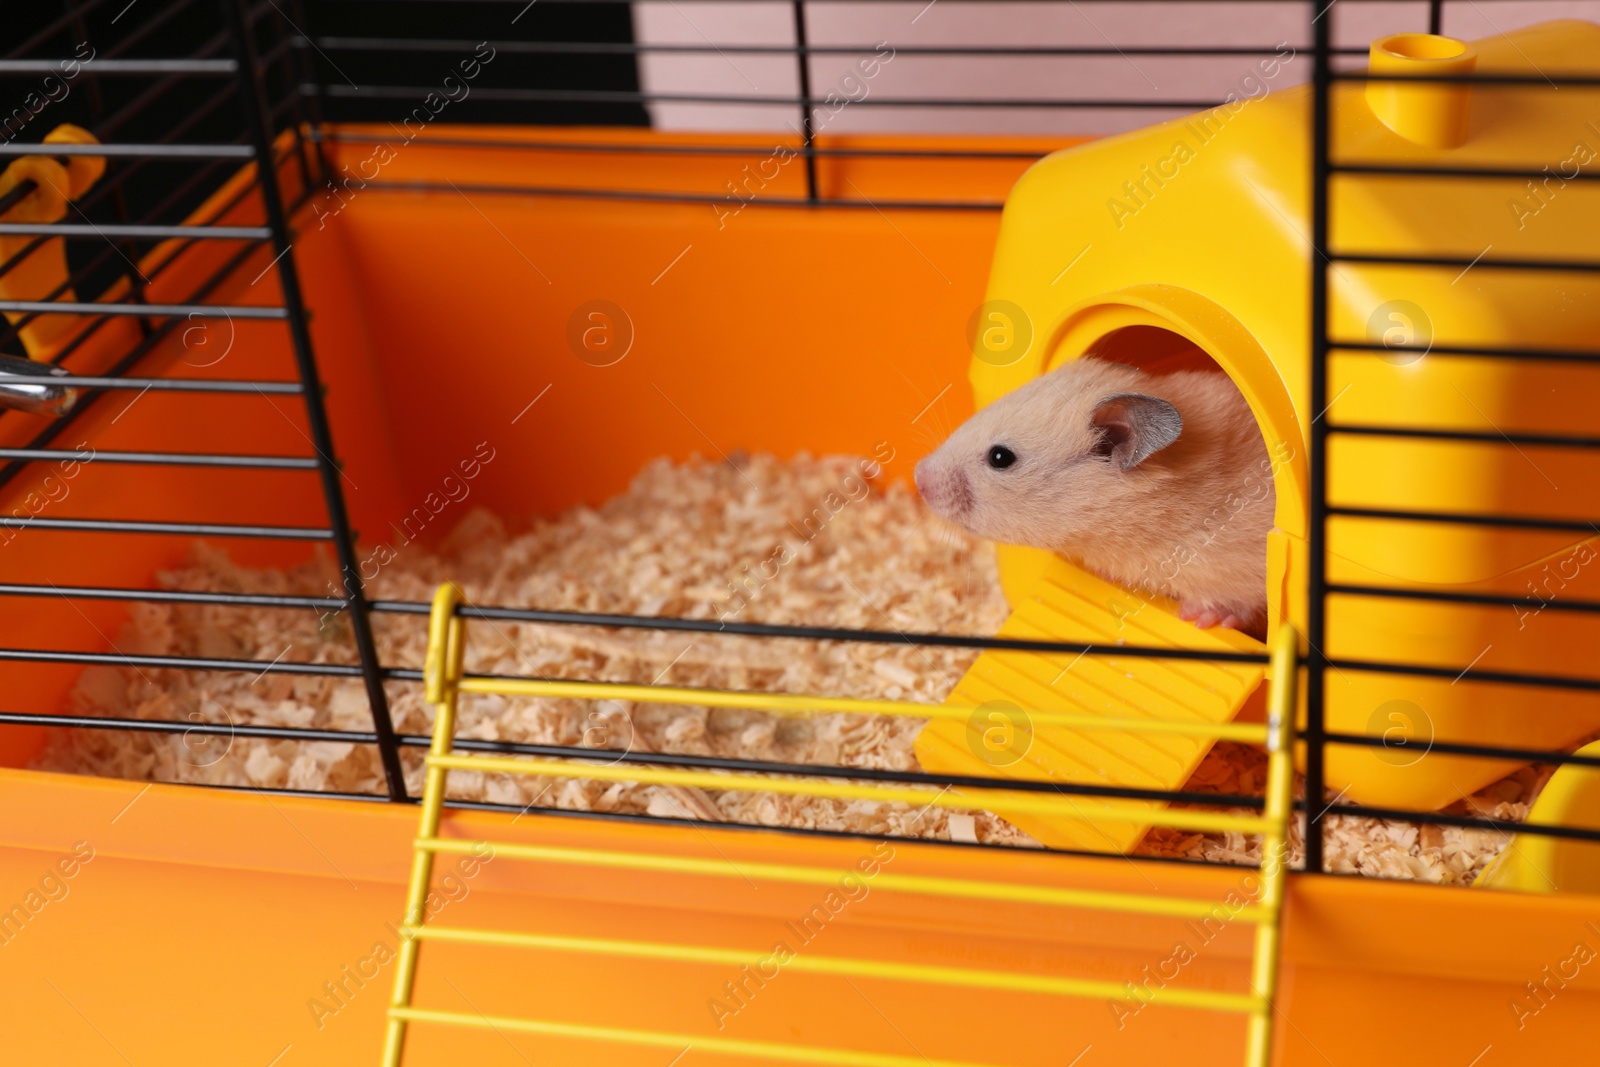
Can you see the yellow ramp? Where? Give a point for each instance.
(999, 740)
(1538, 864)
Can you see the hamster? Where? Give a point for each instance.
(1160, 484)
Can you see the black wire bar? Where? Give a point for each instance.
(1325, 170)
(614, 756)
(96, 386)
(126, 151)
(1456, 262)
(641, 819)
(1300, 4)
(408, 607)
(652, 623)
(1538, 440)
(187, 385)
(172, 459)
(244, 68)
(153, 311)
(1314, 734)
(802, 61)
(112, 185)
(621, 96)
(84, 335)
(177, 529)
(173, 596)
(647, 148)
(1529, 355)
(1467, 173)
(1456, 518)
(1497, 600)
(109, 67)
(258, 115)
(629, 48)
(255, 109)
(649, 196)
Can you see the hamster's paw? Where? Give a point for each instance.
(1205, 618)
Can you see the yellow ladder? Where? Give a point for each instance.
(445, 682)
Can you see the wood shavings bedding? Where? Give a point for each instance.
(1382, 848)
(754, 539)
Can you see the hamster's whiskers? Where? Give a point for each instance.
(942, 530)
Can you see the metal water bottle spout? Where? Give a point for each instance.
(39, 388)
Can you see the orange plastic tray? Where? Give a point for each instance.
(212, 927)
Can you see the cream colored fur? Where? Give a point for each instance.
(1190, 521)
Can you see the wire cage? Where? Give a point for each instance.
(291, 91)
(217, 128)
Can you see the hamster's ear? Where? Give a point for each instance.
(1132, 427)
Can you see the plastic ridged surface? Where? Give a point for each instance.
(1069, 604)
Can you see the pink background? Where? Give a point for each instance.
(1094, 24)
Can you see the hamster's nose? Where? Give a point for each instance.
(943, 487)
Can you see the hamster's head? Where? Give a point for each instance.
(1055, 461)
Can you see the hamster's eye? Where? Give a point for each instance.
(1001, 457)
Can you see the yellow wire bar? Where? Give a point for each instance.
(445, 682)
(804, 704)
(903, 972)
(446, 645)
(1279, 810)
(835, 1057)
(1003, 800)
(1011, 892)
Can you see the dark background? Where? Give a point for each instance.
(152, 108)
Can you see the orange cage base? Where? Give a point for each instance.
(207, 927)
